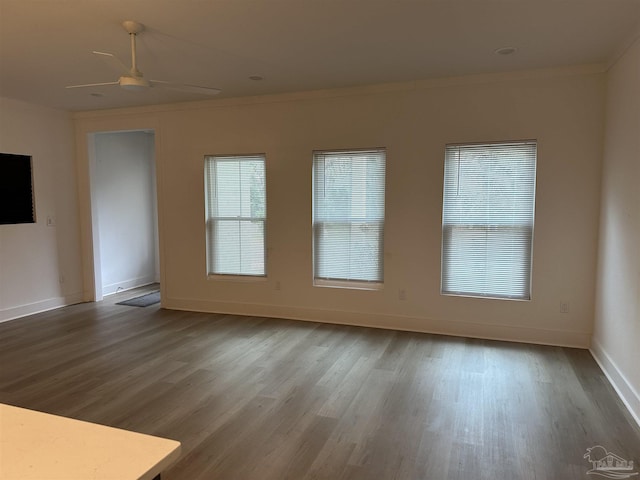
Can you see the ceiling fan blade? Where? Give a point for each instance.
(92, 85)
(114, 62)
(185, 87)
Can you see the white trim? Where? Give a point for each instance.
(510, 333)
(98, 292)
(624, 47)
(353, 284)
(223, 277)
(14, 313)
(625, 390)
(85, 169)
(128, 284)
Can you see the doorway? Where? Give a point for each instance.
(124, 210)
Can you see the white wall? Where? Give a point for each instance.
(616, 339)
(126, 207)
(40, 266)
(562, 109)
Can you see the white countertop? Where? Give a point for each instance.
(40, 446)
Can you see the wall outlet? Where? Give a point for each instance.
(278, 286)
(564, 307)
(402, 294)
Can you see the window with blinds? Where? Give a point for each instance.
(236, 214)
(348, 217)
(487, 219)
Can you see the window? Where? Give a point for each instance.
(348, 217)
(487, 219)
(235, 214)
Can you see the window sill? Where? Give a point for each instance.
(487, 297)
(216, 277)
(352, 285)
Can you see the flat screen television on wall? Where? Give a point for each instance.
(16, 189)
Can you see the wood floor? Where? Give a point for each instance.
(259, 398)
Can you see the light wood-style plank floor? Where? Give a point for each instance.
(260, 398)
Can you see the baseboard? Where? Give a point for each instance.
(40, 306)
(128, 284)
(618, 380)
(387, 321)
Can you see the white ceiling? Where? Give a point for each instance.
(295, 45)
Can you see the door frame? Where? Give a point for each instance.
(88, 205)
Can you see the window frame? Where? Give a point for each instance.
(243, 277)
(447, 229)
(336, 282)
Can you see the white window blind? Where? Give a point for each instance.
(235, 214)
(487, 219)
(348, 215)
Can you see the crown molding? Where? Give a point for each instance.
(624, 46)
(377, 89)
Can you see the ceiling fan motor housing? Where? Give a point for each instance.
(131, 26)
(133, 83)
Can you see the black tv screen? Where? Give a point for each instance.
(16, 189)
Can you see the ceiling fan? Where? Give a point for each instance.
(132, 78)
